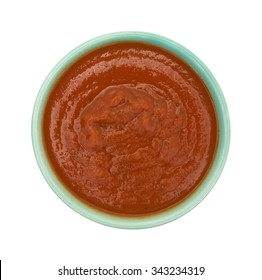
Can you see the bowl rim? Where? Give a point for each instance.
(155, 219)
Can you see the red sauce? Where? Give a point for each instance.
(130, 129)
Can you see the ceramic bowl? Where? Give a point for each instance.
(155, 219)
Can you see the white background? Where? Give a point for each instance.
(39, 233)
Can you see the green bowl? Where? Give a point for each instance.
(155, 219)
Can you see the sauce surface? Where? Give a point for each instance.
(130, 129)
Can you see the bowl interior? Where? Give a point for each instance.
(155, 219)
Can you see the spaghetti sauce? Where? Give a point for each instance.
(130, 129)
